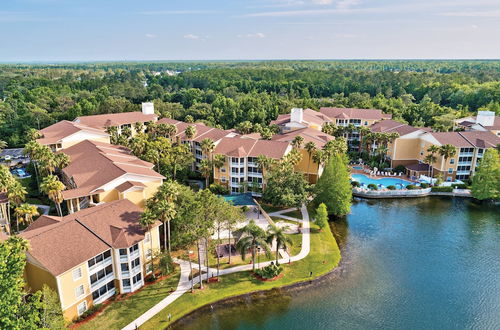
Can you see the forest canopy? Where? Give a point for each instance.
(223, 94)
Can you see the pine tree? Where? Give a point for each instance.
(486, 181)
(333, 187)
(321, 216)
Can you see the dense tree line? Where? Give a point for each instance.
(227, 93)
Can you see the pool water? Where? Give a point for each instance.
(239, 199)
(365, 180)
(357, 167)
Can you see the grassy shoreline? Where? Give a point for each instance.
(323, 257)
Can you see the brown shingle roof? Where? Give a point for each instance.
(129, 184)
(309, 135)
(309, 116)
(115, 119)
(389, 125)
(481, 139)
(55, 133)
(93, 164)
(453, 138)
(354, 113)
(82, 235)
(202, 131)
(244, 147)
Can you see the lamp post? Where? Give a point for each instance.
(258, 257)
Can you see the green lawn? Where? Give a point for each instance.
(324, 256)
(295, 214)
(120, 313)
(271, 208)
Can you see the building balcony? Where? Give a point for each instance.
(105, 279)
(465, 163)
(256, 175)
(463, 172)
(134, 254)
(106, 296)
(237, 175)
(123, 258)
(466, 154)
(98, 266)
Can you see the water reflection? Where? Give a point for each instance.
(412, 263)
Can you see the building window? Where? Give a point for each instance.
(223, 179)
(82, 307)
(123, 252)
(147, 237)
(366, 123)
(101, 274)
(223, 169)
(77, 274)
(137, 278)
(450, 170)
(126, 282)
(97, 259)
(136, 262)
(134, 248)
(452, 161)
(124, 267)
(103, 290)
(149, 254)
(149, 268)
(79, 291)
(448, 179)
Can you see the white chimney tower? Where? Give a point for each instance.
(148, 108)
(297, 115)
(485, 118)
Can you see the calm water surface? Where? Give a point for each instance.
(431, 263)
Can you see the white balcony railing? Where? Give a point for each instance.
(105, 296)
(466, 154)
(105, 279)
(98, 266)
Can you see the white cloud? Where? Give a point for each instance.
(322, 2)
(191, 36)
(258, 35)
(150, 35)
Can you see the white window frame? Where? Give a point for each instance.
(78, 307)
(452, 161)
(223, 179)
(149, 268)
(147, 237)
(77, 291)
(450, 170)
(79, 270)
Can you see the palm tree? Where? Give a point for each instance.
(311, 148)
(219, 161)
(47, 160)
(252, 237)
(207, 146)
(447, 151)
(297, 141)
(53, 188)
(319, 157)
(206, 170)
(139, 127)
(363, 131)
(278, 234)
(430, 159)
(166, 207)
(61, 160)
(147, 220)
(25, 213)
(190, 132)
(16, 193)
(32, 150)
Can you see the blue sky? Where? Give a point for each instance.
(76, 30)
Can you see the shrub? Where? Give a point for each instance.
(218, 189)
(399, 169)
(270, 271)
(89, 312)
(391, 187)
(372, 186)
(459, 186)
(244, 208)
(442, 189)
(424, 185)
(412, 187)
(355, 183)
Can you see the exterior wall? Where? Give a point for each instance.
(304, 165)
(136, 197)
(36, 277)
(109, 196)
(404, 151)
(67, 288)
(221, 175)
(151, 187)
(146, 247)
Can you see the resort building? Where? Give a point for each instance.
(120, 120)
(299, 118)
(100, 172)
(240, 171)
(403, 150)
(100, 252)
(306, 165)
(484, 121)
(65, 134)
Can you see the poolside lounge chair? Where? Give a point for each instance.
(400, 173)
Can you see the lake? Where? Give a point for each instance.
(427, 263)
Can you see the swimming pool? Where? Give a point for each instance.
(365, 180)
(357, 167)
(239, 199)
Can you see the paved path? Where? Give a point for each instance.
(185, 284)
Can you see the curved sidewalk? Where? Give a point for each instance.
(184, 284)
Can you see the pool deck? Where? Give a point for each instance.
(356, 171)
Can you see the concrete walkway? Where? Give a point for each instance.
(185, 284)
